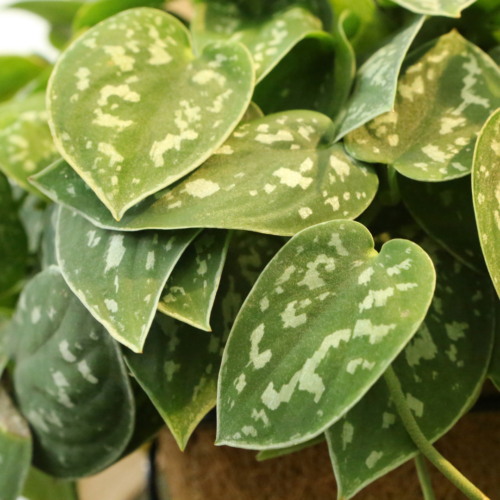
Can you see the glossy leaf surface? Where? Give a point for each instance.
(441, 371)
(70, 381)
(15, 449)
(191, 288)
(26, 146)
(274, 175)
(449, 8)
(180, 364)
(486, 195)
(445, 211)
(268, 37)
(13, 241)
(132, 110)
(446, 92)
(375, 88)
(118, 276)
(323, 322)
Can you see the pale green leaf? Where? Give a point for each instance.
(274, 175)
(48, 255)
(321, 325)
(180, 364)
(132, 110)
(56, 12)
(26, 146)
(13, 241)
(15, 449)
(485, 192)
(448, 8)
(39, 486)
(281, 452)
(268, 37)
(16, 72)
(70, 381)
(375, 88)
(253, 112)
(118, 276)
(32, 215)
(446, 92)
(191, 288)
(445, 211)
(441, 371)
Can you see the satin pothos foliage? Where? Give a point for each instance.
(272, 208)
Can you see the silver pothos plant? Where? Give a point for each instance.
(288, 210)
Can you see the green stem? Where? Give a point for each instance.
(424, 478)
(447, 469)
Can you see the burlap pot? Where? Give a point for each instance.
(207, 472)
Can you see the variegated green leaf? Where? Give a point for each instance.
(13, 241)
(39, 486)
(132, 110)
(48, 253)
(323, 322)
(375, 88)
(26, 146)
(70, 381)
(446, 92)
(274, 175)
(269, 37)
(441, 370)
(445, 211)
(281, 452)
(118, 276)
(485, 191)
(180, 364)
(448, 8)
(16, 72)
(191, 288)
(15, 449)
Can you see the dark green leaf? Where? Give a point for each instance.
(39, 486)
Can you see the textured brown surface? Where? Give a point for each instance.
(206, 472)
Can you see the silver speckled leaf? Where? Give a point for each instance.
(446, 92)
(118, 276)
(375, 88)
(486, 194)
(274, 175)
(180, 364)
(15, 449)
(70, 381)
(132, 110)
(26, 146)
(191, 288)
(441, 371)
(321, 325)
(445, 211)
(448, 8)
(268, 38)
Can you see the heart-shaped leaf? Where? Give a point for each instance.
(70, 381)
(191, 288)
(15, 449)
(321, 325)
(13, 241)
(446, 92)
(180, 364)
(485, 182)
(16, 72)
(39, 486)
(376, 83)
(448, 8)
(441, 371)
(267, 178)
(26, 146)
(445, 211)
(118, 276)
(132, 110)
(269, 37)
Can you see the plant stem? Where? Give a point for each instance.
(447, 469)
(424, 478)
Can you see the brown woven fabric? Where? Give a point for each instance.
(207, 472)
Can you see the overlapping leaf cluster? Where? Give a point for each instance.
(262, 208)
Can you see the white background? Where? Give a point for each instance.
(24, 33)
